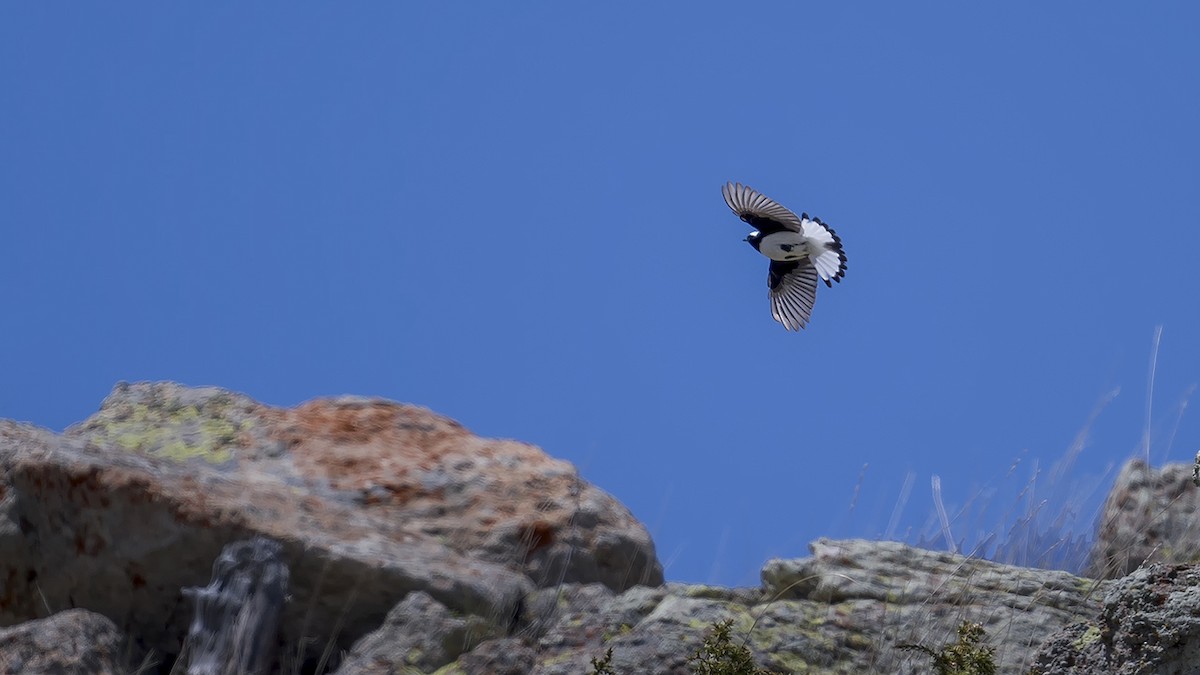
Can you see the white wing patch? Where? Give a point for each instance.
(825, 249)
(746, 201)
(793, 297)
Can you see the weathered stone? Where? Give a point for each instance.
(507, 656)
(236, 621)
(863, 598)
(370, 500)
(73, 642)
(1150, 624)
(501, 501)
(419, 633)
(419, 547)
(844, 610)
(1151, 515)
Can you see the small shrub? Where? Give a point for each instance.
(965, 657)
(603, 665)
(719, 655)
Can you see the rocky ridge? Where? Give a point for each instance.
(393, 541)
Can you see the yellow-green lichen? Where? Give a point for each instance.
(788, 662)
(171, 431)
(1089, 636)
(703, 591)
(622, 630)
(555, 660)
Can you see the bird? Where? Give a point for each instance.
(800, 248)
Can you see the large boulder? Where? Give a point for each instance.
(370, 500)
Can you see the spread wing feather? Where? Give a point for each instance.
(760, 211)
(793, 292)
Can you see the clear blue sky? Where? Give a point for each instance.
(512, 215)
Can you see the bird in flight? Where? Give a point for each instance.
(800, 249)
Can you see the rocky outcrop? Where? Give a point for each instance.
(845, 609)
(918, 596)
(369, 500)
(1150, 623)
(358, 536)
(1150, 516)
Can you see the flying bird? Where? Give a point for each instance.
(800, 249)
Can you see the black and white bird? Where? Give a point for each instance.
(800, 249)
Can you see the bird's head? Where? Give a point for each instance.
(753, 239)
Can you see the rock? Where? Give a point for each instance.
(369, 500)
(409, 544)
(508, 656)
(845, 609)
(418, 633)
(73, 642)
(1149, 624)
(1150, 516)
(501, 501)
(236, 621)
(878, 595)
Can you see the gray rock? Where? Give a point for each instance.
(1150, 516)
(73, 642)
(846, 609)
(236, 621)
(1150, 624)
(874, 596)
(508, 656)
(418, 635)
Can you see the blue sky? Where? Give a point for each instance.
(512, 215)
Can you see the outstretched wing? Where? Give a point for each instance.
(793, 287)
(761, 212)
(826, 249)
